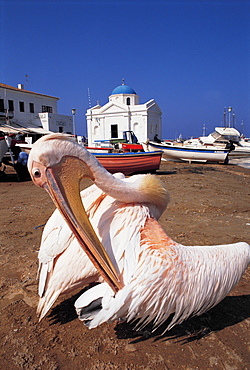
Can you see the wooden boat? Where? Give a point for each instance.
(180, 152)
(130, 162)
(125, 162)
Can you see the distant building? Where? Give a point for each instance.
(31, 113)
(124, 113)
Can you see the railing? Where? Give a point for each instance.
(10, 114)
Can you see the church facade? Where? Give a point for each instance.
(123, 113)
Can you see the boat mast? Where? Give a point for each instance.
(234, 119)
(229, 116)
(227, 122)
(225, 117)
(204, 130)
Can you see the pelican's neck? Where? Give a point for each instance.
(144, 189)
(117, 188)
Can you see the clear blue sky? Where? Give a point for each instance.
(192, 57)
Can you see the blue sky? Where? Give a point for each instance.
(192, 57)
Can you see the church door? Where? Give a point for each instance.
(114, 131)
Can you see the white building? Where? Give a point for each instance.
(124, 113)
(31, 113)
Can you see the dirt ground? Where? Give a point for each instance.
(210, 204)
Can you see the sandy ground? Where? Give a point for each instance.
(210, 204)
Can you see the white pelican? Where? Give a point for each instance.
(147, 275)
(63, 266)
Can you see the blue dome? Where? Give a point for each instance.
(123, 89)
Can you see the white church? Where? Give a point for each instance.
(123, 113)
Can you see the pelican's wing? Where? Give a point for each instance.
(57, 235)
(63, 265)
(118, 226)
(55, 239)
(170, 278)
(71, 270)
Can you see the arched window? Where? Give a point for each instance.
(128, 101)
(136, 127)
(96, 129)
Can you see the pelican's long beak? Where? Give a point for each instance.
(63, 185)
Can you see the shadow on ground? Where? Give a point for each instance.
(230, 311)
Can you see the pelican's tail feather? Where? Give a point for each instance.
(46, 302)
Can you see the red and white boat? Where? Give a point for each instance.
(130, 162)
(125, 162)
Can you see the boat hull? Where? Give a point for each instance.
(129, 163)
(240, 152)
(178, 152)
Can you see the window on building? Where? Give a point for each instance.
(46, 108)
(128, 101)
(1, 105)
(114, 131)
(136, 127)
(60, 129)
(21, 106)
(96, 129)
(11, 105)
(32, 110)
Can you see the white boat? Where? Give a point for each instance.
(188, 153)
(242, 149)
(223, 137)
(25, 147)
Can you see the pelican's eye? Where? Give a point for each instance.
(36, 173)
